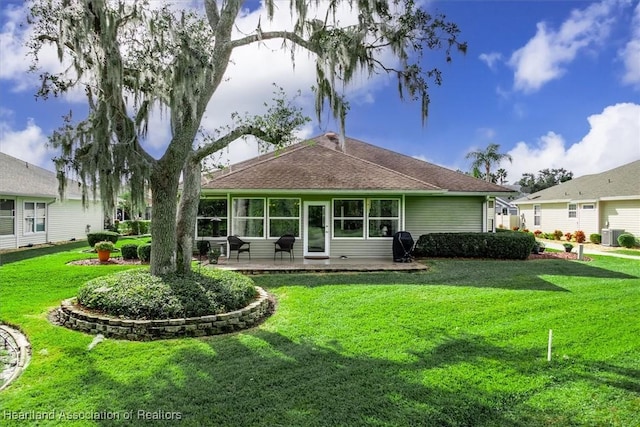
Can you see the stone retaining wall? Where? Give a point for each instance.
(73, 317)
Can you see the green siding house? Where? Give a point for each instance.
(340, 199)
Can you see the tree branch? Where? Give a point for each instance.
(220, 143)
(287, 35)
(213, 16)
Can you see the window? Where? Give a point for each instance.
(572, 211)
(35, 217)
(348, 218)
(384, 217)
(537, 214)
(588, 207)
(248, 217)
(7, 217)
(284, 217)
(212, 218)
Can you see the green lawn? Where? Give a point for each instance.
(462, 344)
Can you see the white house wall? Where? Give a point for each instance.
(64, 221)
(621, 214)
(68, 220)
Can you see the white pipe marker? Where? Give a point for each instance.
(549, 347)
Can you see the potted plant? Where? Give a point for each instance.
(104, 250)
(567, 247)
(538, 247)
(213, 255)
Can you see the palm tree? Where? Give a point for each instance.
(501, 176)
(487, 158)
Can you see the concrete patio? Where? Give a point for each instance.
(301, 265)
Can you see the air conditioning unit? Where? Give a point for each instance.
(610, 236)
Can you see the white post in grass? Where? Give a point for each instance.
(549, 346)
(580, 252)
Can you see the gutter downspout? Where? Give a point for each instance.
(46, 231)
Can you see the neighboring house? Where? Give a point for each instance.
(31, 211)
(608, 200)
(507, 215)
(340, 200)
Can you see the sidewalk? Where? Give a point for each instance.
(587, 251)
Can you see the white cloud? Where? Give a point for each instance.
(630, 55)
(491, 59)
(613, 140)
(28, 144)
(544, 58)
(16, 60)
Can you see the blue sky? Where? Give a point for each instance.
(555, 83)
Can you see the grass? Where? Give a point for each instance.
(635, 252)
(462, 344)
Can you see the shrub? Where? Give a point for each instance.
(580, 236)
(136, 294)
(101, 236)
(627, 240)
(557, 235)
(526, 230)
(595, 238)
(144, 252)
(516, 228)
(475, 245)
(129, 251)
(537, 233)
(568, 236)
(567, 247)
(104, 246)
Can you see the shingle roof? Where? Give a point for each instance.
(20, 178)
(621, 182)
(319, 163)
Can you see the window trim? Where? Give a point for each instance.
(223, 218)
(235, 217)
(26, 230)
(537, 215)
(573, 211)
(368, 218)
(12, 217)
(269, 217)
(363, 218)
(591, 206)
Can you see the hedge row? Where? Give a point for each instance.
(509, 245)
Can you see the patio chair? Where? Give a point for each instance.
(284, 244)
(239, 245)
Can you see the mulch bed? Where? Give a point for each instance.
(558, 255)
(112, 261)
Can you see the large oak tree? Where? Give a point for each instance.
(131, 58)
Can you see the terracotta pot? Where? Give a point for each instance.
(103, 256)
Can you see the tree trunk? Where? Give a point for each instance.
(164, 197)
(187, 213)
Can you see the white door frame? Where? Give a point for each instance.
(327, 206)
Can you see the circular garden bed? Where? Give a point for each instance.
(138, 306)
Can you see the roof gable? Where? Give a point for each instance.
(20, 178)
(320, 163)
(621, 182)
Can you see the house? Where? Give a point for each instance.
(340, 199)
(31, 211)
(609, 200)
